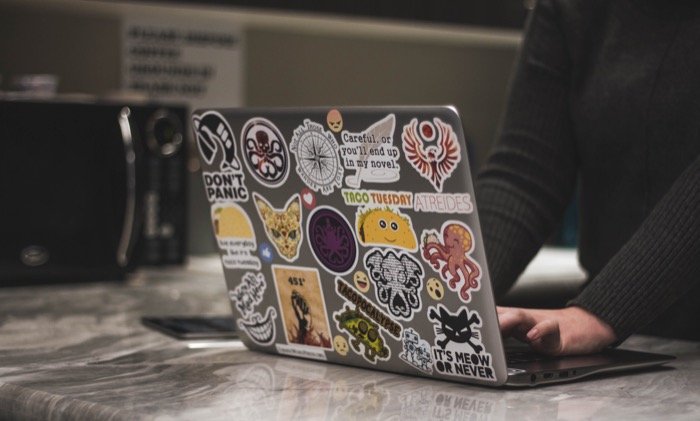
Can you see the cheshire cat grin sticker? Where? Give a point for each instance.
(247, 295)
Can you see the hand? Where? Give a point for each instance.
(567, 331)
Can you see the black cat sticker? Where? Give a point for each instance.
(458, 350)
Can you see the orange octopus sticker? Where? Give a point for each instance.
(449, 253)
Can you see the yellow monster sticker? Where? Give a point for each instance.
(385, 226)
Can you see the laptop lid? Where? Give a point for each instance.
(350, 235)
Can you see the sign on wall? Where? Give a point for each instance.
(197, 62)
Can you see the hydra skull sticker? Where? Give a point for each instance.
(265, 152)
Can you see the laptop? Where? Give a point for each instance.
(351, 235)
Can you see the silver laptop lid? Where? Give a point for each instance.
(350, 235)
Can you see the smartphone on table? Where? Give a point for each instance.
(193, 327)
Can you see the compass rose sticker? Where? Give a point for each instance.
(318, 159)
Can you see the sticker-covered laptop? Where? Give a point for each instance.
(350, 235)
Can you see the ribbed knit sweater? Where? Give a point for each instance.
(605, 102)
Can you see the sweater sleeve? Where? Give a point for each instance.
(529, 179)
(656, 267)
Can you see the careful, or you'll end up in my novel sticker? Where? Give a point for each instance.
(371, 154)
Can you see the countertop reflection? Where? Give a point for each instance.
(80, 352)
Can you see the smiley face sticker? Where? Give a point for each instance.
(334, 120)
(341, 345)
(435, 289)
(361, 281)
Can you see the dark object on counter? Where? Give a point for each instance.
(193, 327)
(89, 190)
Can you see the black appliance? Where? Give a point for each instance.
(89, 191)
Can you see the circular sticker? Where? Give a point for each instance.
(318, 159)
(361, 281)
(265, 152)
(332, 240)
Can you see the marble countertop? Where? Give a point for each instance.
(80, 352)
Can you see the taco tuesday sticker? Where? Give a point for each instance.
(384, 226)
(318, 159)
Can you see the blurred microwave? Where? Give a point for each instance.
(90, 190)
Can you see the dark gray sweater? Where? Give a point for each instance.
(605, 101)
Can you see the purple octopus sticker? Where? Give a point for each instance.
(332, 240)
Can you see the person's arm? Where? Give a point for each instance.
(530, 176)
(656, 267)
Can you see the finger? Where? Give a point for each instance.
(545, 337)
(516, 322)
